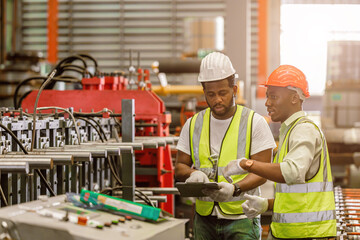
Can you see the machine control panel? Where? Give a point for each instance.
(55, 218)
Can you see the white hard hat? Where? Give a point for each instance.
(215, 66)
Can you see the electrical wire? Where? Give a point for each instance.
(115, 175)
(100, 127)
(151, 204)
(91, 124)
(61, 67)
(109, 159)
(86, 120)
(81, 114)
(99, 112)
(26, 152)
(52, 74)
(74, 66)
(70, 114)
(71, 59)
(145, 198)
(91, 58)
(83, 73)
(115, 165)
(60, 70)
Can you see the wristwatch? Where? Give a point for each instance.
(237, 190)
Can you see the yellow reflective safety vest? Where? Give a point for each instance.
(235, 144)
(305, 210)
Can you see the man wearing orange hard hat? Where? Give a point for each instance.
(304, 205)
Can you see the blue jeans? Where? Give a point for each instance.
(212, 228)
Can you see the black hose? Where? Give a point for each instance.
(62, 79)
(91, 124)
(147, 200)
(100, 127)
(71, 59)
(91, 58)
(73, 70)
(47, 81)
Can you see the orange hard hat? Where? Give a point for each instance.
(288, 76)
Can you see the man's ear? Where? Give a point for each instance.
(295, 98)
(235, 89)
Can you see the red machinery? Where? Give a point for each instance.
(107, 91)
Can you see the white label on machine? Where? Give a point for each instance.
(123, 205)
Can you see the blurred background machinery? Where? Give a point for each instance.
(19, 66)
(340, 117)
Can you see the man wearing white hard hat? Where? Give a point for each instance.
(209, 141)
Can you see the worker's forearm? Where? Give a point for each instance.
(182, 171)
(269, 171)
(270, 204)
(251, 181)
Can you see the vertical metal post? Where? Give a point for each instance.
(74, 179)
(128, 135)
(96, 173)
(43, 189)
(36, 186)
(101, 170)
(24, 188)
(128, 120)
(128, 174)
(15, 189)
(90, 174)
(60, 179)
(67, 178)
(82, 176)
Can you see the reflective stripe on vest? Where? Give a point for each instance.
(305, 210)
(235, 144)
(304, 217)
(305, 188)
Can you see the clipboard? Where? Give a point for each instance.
(194, 189)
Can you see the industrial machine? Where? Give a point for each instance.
(87, 136)
(106, 91)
